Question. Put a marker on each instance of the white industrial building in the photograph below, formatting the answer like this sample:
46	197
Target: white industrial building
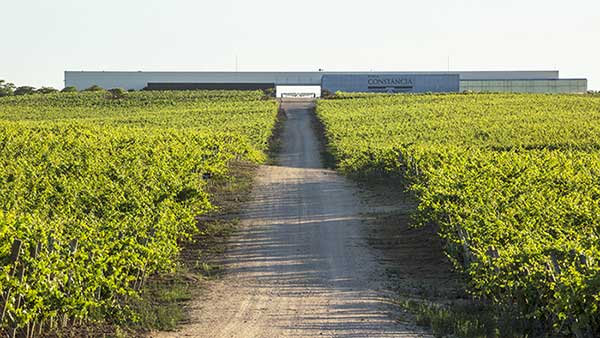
476	81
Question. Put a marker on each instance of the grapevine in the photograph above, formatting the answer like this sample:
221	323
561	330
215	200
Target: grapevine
512	181
96	192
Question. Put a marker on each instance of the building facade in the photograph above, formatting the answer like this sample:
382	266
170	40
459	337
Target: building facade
401	82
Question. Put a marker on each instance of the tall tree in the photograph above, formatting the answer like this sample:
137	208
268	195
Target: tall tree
6	88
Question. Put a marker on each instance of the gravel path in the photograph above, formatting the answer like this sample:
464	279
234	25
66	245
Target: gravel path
300	265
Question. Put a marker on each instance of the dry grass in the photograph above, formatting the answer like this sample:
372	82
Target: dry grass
427	289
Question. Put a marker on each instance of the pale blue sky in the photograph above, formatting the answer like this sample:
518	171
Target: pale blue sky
43	38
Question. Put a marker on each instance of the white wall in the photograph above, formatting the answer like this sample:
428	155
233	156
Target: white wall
311	90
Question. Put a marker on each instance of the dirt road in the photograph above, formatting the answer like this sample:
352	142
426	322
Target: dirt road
300	266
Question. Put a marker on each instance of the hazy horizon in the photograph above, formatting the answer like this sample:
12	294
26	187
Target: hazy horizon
49	38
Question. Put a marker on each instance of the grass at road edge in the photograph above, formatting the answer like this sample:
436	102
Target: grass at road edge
164	308
276	134
327	158
464	320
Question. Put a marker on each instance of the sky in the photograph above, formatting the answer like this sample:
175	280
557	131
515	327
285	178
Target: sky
44	38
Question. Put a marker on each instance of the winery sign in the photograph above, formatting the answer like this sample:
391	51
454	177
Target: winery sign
403	84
